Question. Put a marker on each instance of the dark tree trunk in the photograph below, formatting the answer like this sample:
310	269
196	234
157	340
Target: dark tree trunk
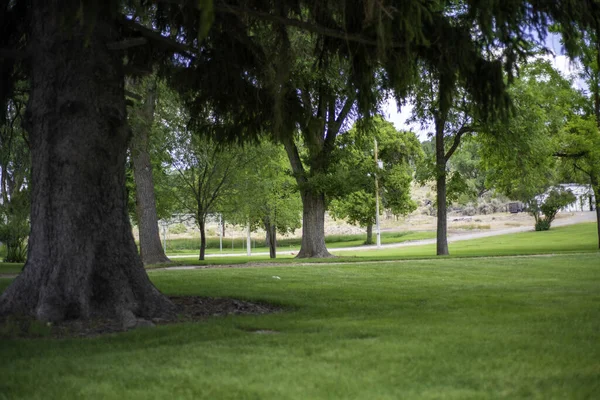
596	189
82	260
313	208
440	171
313	226
369	234
151	248
202	227
271	238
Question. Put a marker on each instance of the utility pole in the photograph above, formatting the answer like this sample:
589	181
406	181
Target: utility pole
378	231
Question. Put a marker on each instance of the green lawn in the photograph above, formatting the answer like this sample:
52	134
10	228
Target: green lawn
506	327
572	238
566	239
191	246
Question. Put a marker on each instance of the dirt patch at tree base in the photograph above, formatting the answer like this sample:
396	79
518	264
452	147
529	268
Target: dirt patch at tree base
190	309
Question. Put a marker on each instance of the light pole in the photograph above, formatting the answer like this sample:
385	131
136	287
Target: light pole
377	229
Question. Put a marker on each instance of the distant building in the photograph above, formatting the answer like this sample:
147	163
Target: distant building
584	197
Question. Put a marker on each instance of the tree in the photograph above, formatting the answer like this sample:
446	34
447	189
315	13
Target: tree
82	260
74	53
269	196
398	152
453	115
544	210
142	120
207	173
581	142
519	158
579	149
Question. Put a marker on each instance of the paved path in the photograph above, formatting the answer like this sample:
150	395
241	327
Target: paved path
576	218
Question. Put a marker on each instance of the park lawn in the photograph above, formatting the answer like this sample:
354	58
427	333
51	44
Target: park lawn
571	238
184	246
505	327
566	239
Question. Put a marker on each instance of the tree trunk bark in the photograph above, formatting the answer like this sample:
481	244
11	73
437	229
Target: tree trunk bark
313	209
369	234
202	227
271	239
82	260
151	248
440	166
313	226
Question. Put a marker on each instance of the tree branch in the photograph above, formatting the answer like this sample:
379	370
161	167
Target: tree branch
570	155
166	42
294	157
322	30
463	130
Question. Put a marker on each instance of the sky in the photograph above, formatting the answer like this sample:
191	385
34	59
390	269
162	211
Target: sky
560	61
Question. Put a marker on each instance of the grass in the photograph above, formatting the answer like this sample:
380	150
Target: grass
572	238
192	246
514	328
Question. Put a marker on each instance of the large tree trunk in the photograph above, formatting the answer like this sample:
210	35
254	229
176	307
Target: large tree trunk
369	234
440	171
151	248
313	226
82	260
313	208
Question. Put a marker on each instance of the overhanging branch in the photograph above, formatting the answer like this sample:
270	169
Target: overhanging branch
307	26
156	37
462	131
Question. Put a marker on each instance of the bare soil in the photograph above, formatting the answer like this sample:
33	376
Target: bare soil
191	309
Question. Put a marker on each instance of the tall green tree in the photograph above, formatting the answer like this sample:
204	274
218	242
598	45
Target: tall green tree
520	158
268	197
398	152
580	147
207	173
440	100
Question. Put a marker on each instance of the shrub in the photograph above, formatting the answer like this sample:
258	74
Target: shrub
177	229
545	212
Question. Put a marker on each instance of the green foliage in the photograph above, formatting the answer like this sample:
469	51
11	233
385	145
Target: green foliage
518	158
14	226
268	195
397	151
545	211
15	167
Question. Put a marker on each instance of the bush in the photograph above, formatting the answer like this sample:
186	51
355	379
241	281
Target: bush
542	225
177	229
545	212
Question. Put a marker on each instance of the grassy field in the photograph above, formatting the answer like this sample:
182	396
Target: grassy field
192	246
507	327
566	239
